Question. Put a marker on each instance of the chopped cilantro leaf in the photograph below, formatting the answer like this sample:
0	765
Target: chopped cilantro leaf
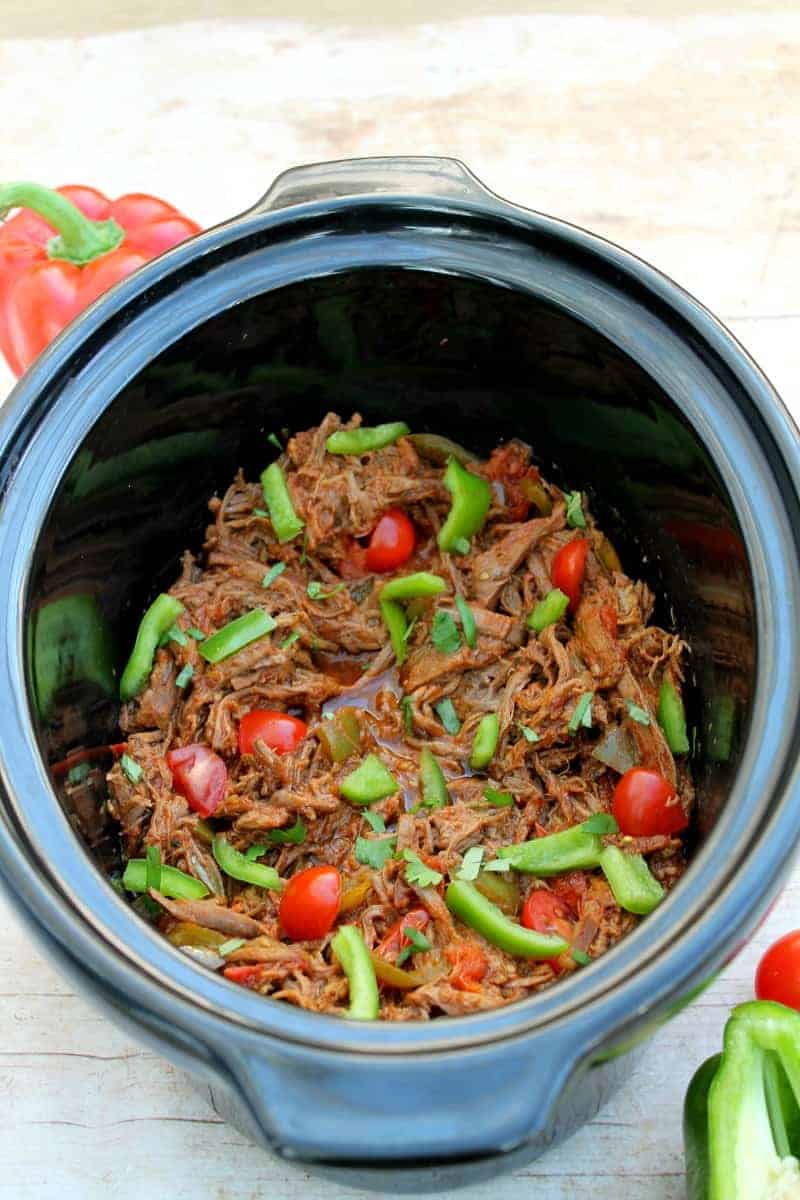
316	590
275	441
289	641
575	517
498	799
640	715
374	820
418	873
183	677
131	768
174	634
448	715
255	852
467	622
583	713
375	852
231	945
294	835
196	633
470	864
600	823
78	774
461	545
419	944
497	864
529	734
272	574
581	958
444	633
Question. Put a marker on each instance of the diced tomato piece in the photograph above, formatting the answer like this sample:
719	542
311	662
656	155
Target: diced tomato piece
545	913
200	776
248	975
394	941
278	730
469	966
568	569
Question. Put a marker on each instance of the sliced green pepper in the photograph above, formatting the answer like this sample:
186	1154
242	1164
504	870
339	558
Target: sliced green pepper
371	781
239	867
485	742
672	717
341	736
236	635
365	439
469	905
394	618
285	520
350	951
409	587
472	497
571	850
439	449
160	617
433	786
173	883
502	890
629	878
741	1117
548	611
467	622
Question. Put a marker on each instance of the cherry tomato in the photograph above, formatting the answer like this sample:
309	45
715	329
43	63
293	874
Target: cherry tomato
778	974
392	542
394	940
568	569
277	730
645	804
545	913
469	966
200	775
310	902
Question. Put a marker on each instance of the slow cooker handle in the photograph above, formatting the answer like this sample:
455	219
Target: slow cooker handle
415	175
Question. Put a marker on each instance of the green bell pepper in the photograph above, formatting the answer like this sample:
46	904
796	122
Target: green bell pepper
237	634
370	782
548	611
285	520
628	875
571	850
365	439
472	497
672	717
238	866
741	1116
485	742
160	616
433	785
472	907
350	951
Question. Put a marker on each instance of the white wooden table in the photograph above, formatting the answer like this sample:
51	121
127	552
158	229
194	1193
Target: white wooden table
674	134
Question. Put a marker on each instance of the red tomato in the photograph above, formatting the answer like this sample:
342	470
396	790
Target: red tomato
568	569
249	975
392	542
394	940
545	913
645	804
200	775
778	974
469	966
278	730
310	902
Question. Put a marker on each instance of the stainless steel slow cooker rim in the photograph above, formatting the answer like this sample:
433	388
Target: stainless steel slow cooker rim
241	228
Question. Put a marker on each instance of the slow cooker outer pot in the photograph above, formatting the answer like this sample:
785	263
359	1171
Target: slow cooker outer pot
456	1096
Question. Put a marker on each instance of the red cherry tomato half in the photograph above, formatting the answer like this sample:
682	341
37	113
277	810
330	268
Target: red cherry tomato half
392	542
545	913
310	902
568	569
778	973
200	775
469	966
277	730
645	804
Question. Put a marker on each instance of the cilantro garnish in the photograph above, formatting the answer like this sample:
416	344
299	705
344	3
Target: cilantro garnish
418	873
444	633
583	713
470	864
375	852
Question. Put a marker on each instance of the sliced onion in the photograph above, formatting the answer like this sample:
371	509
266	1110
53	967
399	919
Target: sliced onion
617	749
204	956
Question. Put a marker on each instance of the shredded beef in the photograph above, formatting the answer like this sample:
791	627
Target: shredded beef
330	649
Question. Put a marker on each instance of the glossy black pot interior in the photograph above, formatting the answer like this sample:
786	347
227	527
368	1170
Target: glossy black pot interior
473	319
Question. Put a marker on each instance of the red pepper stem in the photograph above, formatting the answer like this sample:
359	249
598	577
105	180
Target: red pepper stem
79	239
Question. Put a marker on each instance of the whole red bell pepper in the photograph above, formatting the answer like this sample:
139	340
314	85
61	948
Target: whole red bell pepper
64	249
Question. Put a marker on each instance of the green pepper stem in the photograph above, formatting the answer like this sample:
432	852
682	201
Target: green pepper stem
80	239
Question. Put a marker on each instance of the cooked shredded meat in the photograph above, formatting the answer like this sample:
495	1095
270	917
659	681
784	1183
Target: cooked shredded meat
330	650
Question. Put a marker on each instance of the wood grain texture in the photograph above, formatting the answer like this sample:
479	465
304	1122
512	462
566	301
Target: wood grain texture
675	135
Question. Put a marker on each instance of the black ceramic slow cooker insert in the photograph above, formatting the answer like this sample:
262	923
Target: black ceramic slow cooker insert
401	289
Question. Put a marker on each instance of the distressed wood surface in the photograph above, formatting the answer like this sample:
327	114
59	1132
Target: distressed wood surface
676	135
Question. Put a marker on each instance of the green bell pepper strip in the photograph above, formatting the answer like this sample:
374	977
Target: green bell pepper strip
467	622
485	742
439	449
472	497
571	850
672	717
410	587
160	616
433	785
394	618
470	906
350	951
548	611
239	867
366	439
236	635
173	883
285	520
741	1115
371	781
628	875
